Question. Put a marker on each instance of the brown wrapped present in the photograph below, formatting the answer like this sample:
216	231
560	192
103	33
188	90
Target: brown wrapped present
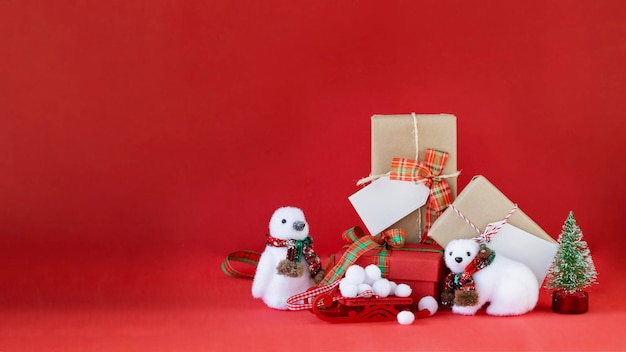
482	204
396	136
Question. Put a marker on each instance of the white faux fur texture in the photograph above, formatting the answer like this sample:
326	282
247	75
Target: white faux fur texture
509	286
274	289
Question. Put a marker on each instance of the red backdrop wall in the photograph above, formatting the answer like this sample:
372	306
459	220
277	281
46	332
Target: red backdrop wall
135	135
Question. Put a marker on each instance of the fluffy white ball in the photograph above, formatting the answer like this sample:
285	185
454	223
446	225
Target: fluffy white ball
343	282
364	287
372	273
403	290
406	317
392	287
428	302
347	289
382	288
355	274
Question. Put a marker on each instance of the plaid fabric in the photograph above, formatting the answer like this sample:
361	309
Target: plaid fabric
360	244
244	256
427	172
302	301
298	249
465	280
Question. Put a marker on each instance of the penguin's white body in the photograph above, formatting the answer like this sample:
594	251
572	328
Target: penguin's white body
286	223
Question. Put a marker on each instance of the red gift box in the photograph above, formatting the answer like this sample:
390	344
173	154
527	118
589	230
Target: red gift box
417	265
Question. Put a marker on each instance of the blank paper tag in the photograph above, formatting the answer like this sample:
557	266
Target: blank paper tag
383	202
521	246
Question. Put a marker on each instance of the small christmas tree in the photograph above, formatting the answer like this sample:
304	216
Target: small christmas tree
572	268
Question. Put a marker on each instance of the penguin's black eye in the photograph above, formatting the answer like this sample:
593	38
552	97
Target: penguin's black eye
469	254
285	221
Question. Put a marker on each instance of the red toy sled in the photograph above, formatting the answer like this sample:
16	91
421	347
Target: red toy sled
337	309
329	305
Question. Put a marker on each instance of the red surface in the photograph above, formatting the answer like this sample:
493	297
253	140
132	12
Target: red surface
141	141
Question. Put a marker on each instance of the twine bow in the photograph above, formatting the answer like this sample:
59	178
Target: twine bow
360	243
428	172
490	230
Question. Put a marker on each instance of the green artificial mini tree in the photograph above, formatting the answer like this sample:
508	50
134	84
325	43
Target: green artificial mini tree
572	269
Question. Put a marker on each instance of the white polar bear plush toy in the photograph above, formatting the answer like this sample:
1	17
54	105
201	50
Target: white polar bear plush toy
288	265
479	275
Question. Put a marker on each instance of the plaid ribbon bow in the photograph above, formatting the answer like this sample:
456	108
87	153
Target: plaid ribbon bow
360	243
428	172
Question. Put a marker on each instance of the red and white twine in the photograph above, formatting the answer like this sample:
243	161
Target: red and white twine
492	229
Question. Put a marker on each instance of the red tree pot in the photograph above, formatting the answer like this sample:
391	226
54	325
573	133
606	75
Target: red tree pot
565	302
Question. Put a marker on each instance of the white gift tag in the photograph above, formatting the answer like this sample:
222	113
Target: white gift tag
521	246
383	202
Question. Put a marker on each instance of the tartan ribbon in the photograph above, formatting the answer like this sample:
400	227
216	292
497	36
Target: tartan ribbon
298	250
429	172
465	280
360	244
243	256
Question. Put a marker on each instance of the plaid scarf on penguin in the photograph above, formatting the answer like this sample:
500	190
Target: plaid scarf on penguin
296	251
460	288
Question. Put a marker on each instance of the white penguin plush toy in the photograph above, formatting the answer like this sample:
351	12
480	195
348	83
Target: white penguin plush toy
288	265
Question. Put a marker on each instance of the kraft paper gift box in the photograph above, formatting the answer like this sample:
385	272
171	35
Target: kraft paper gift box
394	136
482	204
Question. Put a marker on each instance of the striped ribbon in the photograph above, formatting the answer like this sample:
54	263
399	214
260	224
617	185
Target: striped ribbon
305	297
492	229
243	256
428	172
302	301
360	244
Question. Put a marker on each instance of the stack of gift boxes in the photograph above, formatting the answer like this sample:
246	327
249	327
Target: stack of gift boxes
412	184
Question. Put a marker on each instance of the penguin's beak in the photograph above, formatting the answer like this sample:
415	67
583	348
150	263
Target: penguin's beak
299	225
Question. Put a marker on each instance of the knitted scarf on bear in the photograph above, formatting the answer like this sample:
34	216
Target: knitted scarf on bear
465	280
298	249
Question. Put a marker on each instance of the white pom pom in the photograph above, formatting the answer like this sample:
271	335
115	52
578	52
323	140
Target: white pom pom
343	282
349	290
364	287
355	274
382	288
403	290
392	288
372	273
428	302
406	317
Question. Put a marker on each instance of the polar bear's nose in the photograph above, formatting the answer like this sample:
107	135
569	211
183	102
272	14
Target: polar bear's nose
299	225
458	259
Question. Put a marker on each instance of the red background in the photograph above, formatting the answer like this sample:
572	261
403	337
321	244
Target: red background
141	141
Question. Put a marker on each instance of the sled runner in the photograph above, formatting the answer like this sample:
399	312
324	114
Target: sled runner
334	308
